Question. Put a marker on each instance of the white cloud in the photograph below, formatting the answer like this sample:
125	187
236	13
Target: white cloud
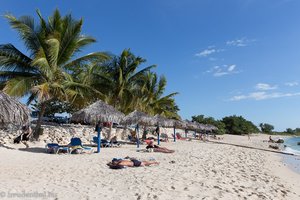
291	84
263	95
265	86
206	52
242	42
231	67
218	71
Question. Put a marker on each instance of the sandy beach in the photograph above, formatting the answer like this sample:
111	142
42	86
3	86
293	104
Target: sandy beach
197	170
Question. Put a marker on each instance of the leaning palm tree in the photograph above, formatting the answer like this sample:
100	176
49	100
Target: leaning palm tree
45	72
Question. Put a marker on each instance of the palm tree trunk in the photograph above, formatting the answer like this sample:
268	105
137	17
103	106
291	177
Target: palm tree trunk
37	130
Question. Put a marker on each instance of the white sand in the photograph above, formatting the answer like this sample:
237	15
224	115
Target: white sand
201	171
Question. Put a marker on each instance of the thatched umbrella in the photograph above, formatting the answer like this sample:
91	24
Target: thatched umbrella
138	118
195	126
162	121
192	125
178	124
12	112
210	127
97	112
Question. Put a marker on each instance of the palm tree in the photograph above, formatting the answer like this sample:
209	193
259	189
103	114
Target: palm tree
46	72
152	100
123	79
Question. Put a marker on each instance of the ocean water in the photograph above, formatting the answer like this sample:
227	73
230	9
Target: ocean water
292	146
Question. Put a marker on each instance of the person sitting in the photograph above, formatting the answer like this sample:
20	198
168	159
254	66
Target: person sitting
114	142
157	148
130	162
25	135
164	137
271	140
201	137
145	133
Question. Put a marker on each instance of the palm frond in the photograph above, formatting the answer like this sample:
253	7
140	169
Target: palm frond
11	59
26	29
19	86
96	56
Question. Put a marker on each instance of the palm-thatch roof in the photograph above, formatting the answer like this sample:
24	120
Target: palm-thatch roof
196	125
162	121
98	111
180	124
12	112
210	127
138	117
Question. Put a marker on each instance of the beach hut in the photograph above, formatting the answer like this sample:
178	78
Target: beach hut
98	111
138	118
13	114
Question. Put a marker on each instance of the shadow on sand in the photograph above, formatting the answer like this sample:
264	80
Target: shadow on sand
34	150
7	147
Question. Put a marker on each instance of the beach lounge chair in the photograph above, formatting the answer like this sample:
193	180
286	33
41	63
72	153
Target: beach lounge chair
103	142
164	137
55	148
76	146
179	137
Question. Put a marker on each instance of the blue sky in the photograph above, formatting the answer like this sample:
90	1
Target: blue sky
224	57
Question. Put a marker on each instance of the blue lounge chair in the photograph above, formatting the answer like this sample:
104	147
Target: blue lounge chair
55	148
76	145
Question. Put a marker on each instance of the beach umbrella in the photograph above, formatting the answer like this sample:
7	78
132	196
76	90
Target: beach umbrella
194	126
97	112
178	124
162	121
210	127
138	118
12	112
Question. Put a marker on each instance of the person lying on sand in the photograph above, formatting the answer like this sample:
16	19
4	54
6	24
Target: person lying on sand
130	162
157	148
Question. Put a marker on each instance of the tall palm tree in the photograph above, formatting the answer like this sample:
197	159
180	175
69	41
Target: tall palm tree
45	73
123	78
152	100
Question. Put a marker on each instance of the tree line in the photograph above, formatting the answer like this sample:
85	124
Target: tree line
238	125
